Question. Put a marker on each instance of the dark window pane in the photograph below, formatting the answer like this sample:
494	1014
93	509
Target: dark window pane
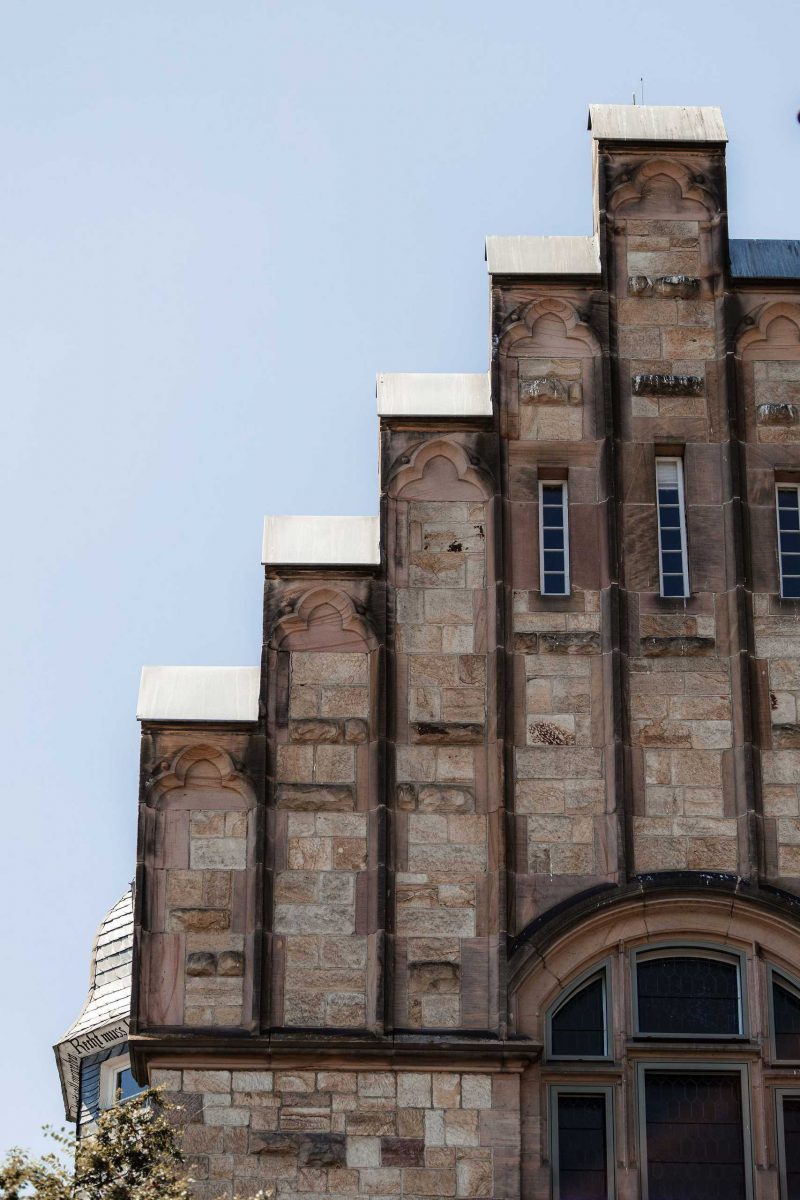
674	585
786	1014
789	518
672	563
790	564
695	1148
787	498
578	1026
552	493
791	587
670	518
554	584
688	996
582	1148
671	539
553	517
553	560
667	495
553	539
126	1085
791	1133
790	543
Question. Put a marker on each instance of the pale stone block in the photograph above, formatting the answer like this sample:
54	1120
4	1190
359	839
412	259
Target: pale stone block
538	796
253	1081
446	1089
435	922
207	824
296	764
330	669
441	1012
424	704
461	1124
414	1089
376	1083
349	825
449	606
571	860
476	1091
303	700
416	763
458	639
345	702
166	1079
434	1128
426	829
310	854
214	1115
455	762
313	918
218	854
334	764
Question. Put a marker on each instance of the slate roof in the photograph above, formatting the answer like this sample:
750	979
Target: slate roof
103	1020
764	258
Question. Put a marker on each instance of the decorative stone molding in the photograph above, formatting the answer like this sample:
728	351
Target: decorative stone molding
526	319
466	478
199	766
759	329
631	188
315	612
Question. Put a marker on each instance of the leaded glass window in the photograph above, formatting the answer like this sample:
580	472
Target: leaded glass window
578	1023
694	1135
688	994
581	1149
785	1018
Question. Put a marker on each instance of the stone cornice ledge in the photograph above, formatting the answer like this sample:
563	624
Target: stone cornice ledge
293	1049
321	542
431	395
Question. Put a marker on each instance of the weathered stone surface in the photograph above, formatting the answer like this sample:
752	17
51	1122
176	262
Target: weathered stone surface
200	962
577	642
439	733
433	977
685	287
667	385
230	962
316	730
311	797
778	414
684	647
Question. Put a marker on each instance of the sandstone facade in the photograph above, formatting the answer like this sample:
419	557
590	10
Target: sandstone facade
359	905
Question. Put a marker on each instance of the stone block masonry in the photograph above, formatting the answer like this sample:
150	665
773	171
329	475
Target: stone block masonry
348	1133
361	898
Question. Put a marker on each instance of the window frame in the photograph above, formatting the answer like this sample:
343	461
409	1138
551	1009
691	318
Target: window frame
684	551
555	1090
694	1067
792	984
784	487
583	980
690	950
108	1077
563	484
780	1133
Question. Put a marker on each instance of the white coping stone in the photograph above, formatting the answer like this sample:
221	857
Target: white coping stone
321	541
199	694
410	395
656	123
543	255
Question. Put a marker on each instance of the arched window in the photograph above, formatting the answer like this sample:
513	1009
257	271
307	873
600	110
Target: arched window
688	991
577	1024
785	1010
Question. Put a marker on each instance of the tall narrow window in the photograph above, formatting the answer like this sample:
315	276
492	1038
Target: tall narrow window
553	538
580	1122
695	1144
788	507
672	563
788	1113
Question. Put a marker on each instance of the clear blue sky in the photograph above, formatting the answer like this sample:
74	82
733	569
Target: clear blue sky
218	221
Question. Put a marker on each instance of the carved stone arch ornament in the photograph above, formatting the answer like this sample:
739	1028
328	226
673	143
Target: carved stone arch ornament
322	607
450	465
774	326
199	766
549	310
635	186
